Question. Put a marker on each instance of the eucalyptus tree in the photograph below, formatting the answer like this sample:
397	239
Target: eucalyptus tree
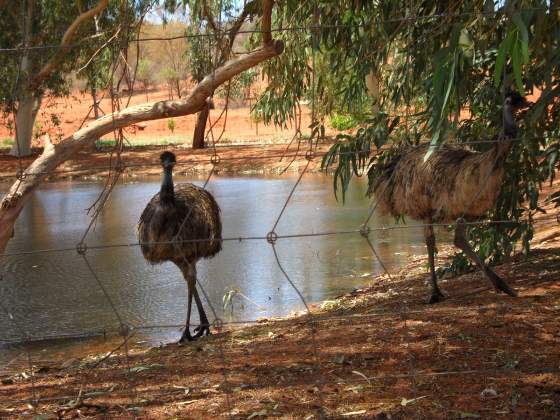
55	154
213	27
40	39
438	71
96	71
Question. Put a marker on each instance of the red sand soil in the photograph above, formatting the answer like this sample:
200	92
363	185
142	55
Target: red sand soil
243	147
476	355
72	111
141	161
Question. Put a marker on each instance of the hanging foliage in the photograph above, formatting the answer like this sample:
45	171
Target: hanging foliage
443	68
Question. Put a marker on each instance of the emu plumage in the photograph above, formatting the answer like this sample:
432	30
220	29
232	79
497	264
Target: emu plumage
181	224
160	223
453	184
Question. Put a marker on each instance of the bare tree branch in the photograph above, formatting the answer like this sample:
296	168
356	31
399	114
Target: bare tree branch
66	39
208	15
99	50
267	21
53	156
236	27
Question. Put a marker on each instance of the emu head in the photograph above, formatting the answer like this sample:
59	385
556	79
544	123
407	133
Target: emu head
515	101
167	160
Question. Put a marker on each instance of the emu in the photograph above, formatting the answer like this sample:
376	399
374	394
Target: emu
453	184
181	224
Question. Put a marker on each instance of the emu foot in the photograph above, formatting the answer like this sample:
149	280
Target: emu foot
186	337
202	330
436	297
500	285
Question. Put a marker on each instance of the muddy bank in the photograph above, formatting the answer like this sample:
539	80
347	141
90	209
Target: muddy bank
144	160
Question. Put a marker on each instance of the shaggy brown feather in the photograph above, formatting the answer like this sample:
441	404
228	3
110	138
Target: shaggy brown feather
452	185
161	223
442	188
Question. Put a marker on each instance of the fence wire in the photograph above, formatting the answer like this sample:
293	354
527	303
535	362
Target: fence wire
294	28
413	371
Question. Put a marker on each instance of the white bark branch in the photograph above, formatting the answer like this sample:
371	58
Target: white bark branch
53	156
267	21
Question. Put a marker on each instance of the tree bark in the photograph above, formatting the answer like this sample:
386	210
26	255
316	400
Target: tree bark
54	155
25	119
95	103
24	114
178	88
200	128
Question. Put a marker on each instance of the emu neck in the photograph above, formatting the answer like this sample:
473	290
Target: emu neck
509	132
167	193
510	127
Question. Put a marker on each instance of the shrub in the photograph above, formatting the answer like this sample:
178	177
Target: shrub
7	141
171	124
343	122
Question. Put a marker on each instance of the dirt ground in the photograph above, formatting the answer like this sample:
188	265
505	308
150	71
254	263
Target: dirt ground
244	146
377	353
142	161
72	112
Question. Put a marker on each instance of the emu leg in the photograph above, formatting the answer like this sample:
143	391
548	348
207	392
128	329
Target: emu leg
204	327
187	333
189	273
461	241
437	296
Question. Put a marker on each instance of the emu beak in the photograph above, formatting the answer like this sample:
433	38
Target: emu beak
525	104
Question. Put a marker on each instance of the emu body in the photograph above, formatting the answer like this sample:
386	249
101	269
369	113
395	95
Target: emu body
181	224
453	184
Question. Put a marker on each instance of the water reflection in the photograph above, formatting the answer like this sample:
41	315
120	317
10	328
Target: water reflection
52	293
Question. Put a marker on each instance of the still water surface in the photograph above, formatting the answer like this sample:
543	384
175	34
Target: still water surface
54	293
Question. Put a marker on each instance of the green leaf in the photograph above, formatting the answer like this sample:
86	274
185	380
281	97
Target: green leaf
501	58
450	85
525	51
516	63
524	40
521	27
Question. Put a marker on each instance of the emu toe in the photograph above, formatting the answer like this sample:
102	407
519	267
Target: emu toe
505	288
201	330
436	297
186	337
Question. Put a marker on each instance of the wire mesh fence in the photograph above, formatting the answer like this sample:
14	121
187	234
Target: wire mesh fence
316	355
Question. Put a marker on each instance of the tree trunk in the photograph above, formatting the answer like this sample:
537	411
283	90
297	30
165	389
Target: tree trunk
200	128
29	100
178	88
26	108
372	85
25	120
95	103
20	191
